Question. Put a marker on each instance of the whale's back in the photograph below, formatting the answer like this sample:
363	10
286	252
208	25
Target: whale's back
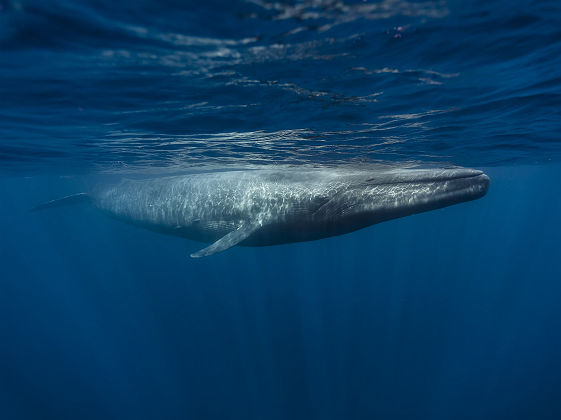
207	206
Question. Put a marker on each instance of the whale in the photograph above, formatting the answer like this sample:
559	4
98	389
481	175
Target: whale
263	207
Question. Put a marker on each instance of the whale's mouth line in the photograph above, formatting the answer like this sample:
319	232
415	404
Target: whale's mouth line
479	174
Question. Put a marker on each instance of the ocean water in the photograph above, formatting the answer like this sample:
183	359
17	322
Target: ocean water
450	314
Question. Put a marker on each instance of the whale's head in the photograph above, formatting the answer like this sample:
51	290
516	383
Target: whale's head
389	194
408	191
433	187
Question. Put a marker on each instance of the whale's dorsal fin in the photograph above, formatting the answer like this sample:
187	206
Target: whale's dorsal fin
231	239
64	201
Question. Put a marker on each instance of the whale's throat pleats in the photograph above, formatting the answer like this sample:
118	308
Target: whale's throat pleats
231	239
336	206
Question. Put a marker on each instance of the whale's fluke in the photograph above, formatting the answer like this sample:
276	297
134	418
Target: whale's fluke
64	201
228	241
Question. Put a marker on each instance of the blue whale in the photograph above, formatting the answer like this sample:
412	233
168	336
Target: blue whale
270	207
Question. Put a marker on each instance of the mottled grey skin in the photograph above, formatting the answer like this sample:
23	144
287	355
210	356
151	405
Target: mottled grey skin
269	207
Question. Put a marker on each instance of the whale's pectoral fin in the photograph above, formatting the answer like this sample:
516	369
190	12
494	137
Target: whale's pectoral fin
231	239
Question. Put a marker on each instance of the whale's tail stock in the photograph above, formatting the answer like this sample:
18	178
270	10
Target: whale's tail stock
64	201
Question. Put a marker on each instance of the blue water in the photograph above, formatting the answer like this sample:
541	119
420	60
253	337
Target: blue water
451	314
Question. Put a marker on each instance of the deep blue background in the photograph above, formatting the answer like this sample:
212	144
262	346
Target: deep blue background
447	314
450	314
